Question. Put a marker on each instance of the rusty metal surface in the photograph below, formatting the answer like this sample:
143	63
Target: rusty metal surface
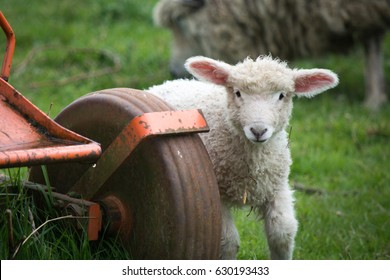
166	187
117	215
10	47
29	137
138	129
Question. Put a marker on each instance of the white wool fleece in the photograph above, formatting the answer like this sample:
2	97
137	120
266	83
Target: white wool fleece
238	163
248	107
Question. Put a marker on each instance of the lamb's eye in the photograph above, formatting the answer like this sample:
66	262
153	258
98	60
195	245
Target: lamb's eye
237	93
282	95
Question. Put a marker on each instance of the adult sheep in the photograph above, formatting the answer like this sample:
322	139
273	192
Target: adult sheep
231	30
248	107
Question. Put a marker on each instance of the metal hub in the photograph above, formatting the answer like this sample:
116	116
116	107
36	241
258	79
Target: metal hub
117	216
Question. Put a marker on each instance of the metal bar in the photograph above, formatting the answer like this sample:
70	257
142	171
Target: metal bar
141	127
47	155
9	52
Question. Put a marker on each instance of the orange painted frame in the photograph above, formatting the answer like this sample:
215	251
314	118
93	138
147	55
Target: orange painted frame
27	135
9	51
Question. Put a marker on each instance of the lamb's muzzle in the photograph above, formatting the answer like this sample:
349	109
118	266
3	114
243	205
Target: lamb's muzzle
258	133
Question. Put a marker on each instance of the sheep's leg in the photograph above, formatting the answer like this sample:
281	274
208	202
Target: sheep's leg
230	240
281	225
374	76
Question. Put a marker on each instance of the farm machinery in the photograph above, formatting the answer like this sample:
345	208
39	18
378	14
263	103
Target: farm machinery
122	158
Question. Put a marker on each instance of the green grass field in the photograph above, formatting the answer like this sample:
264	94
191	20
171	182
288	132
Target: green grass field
340	150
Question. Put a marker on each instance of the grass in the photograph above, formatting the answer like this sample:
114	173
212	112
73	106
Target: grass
339	148
55	239
122	28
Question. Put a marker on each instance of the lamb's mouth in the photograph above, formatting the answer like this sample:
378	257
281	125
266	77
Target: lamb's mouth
259	141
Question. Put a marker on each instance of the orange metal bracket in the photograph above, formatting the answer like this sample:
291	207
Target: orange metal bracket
139	128
9	52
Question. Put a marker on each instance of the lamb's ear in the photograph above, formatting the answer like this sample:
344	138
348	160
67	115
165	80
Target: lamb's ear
208	69
314	81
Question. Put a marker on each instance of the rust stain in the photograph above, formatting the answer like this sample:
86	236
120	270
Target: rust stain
138	129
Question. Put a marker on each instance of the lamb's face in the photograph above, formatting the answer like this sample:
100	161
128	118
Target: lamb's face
260	91
260	97
259	114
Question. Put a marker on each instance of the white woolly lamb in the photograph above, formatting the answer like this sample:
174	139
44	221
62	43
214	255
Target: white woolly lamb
248	107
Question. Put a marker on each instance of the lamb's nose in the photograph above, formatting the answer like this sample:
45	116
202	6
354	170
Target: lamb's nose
258	133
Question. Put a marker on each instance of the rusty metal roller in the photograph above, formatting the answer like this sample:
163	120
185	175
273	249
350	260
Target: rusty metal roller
163	201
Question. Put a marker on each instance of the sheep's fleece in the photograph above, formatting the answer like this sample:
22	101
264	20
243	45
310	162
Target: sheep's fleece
231	30
247	107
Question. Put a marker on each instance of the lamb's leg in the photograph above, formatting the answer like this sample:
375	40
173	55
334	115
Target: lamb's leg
281	225
374	76
230	240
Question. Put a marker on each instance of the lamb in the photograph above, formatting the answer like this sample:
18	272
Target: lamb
248	107
290	29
